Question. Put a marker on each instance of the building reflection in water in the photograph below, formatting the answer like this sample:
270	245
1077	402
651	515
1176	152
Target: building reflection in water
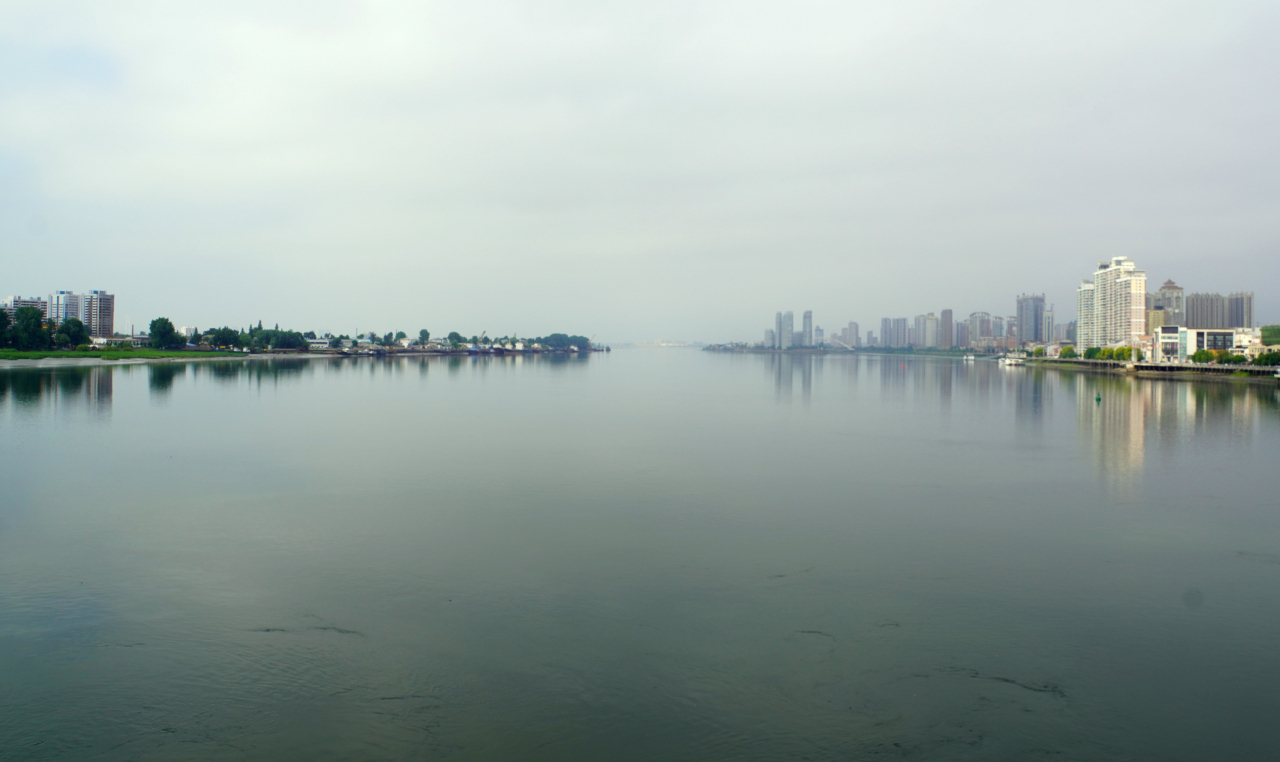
62	389
1117	417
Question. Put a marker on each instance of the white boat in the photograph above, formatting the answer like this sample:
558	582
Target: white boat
968	358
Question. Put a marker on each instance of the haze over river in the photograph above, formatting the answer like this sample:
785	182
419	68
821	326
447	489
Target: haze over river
650	554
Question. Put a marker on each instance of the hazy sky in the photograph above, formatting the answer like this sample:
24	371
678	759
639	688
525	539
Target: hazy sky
631	170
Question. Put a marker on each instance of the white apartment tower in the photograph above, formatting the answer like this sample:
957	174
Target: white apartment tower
1112	309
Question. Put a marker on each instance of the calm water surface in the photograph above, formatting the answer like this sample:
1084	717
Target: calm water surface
651	554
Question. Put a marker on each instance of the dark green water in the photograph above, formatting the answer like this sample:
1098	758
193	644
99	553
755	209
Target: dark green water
651	554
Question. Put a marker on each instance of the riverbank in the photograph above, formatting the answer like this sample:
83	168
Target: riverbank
10	358
1247	374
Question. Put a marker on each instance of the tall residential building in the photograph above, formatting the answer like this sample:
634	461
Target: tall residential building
777	331
1240	310
1119	301
871	339
853	340
770	339
1030	318
946	333
900	333
63	305
786	336
1047	326
886	332
1084	313
1207	311
99	313
806	330
962	334
1171	299
980	326
819	336
15	303
997	327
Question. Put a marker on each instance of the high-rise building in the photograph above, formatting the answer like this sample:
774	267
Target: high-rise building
886	332
1171	299
806	331
871	339
786	336
946	334
65	304
1119	300
900	333
777	331
930	337
1240	310
998	328
1047	325
770	340
99	313
819	337
1207	311
15	303
980	326
962	334
1030	318
853	339
1084	312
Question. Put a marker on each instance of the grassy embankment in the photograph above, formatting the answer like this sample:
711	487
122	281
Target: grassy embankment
112	354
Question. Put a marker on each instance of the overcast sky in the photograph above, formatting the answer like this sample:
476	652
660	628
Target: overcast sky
631	170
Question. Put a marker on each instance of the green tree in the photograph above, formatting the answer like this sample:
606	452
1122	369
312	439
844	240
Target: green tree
5	337
75	331
163	335
1202	355
224	337
455	337
1092	353
28	330
424	336
1039	352
1121	353
388	339
1068	353
1267	358
1107	353
401	335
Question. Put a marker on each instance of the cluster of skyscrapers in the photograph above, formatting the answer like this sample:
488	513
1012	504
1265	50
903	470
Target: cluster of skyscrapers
1114	307
96	309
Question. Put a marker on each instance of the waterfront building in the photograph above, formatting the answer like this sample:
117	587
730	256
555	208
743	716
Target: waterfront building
1113	311
777	331
1240	309
806	330
99	313
786	334
886	332
1030	318
1171	299
980	326
818	336
1084	313
770	339
871	339
15	303
998	327
63	305
962	334
946	333
1046	327
1207	311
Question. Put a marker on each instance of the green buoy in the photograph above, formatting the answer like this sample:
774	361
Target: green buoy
1099	399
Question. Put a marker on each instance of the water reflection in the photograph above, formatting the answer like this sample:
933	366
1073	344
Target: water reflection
1117	418
31	389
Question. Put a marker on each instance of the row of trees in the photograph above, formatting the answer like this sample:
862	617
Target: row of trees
1123	354
29	331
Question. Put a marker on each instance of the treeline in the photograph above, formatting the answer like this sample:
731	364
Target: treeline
29	331
1220	356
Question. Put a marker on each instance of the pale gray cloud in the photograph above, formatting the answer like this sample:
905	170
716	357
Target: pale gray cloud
630	170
